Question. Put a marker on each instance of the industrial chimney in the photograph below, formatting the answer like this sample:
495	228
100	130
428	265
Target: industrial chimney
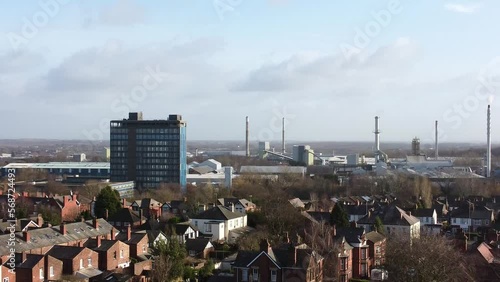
283	137
247	141
436	151
488	142
377	139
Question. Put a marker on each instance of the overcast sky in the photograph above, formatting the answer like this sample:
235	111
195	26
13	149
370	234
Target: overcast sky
328	67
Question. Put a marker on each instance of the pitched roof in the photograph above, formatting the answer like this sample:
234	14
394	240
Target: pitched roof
374	236
65	252
218	213
50	236
244	258
126	215
423	212
485	252
390	215
352	235
320	216
197	245
31	261
105	245
135	238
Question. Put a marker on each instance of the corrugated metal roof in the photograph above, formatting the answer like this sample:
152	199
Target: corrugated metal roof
272	169
62	165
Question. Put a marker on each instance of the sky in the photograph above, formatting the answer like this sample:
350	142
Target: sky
328	67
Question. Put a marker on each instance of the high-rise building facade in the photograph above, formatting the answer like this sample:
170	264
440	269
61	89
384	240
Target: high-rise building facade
148	152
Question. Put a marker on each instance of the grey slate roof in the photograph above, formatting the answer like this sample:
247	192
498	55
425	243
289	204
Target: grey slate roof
423	212
197	245
65	252
31	261
126	215
218	213
50	236
390	215
374	236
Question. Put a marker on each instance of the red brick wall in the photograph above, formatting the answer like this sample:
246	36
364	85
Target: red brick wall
56	264
107	260
84	255
31	274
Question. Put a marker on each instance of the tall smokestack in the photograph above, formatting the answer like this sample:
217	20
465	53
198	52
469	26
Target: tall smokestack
377	138
436	149
247	141
283	137
488	142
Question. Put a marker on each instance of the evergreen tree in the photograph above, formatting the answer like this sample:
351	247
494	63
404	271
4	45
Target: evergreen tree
171	255
338	216
107	199
379	226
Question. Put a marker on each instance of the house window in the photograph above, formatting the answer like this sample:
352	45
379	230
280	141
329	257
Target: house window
343	278
274	275
81	263
89	261
244	274
255	274
51	271
121	253
114	255
6	279
41	272
144	248
192	253
363	269
363	253
208	227
343	264
378	250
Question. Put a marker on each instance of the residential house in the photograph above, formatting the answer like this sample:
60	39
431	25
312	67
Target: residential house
112	254
182	231
179	208
19	226
426	216
377	244
154	237
219	221
240	205
199	247
355	212
39	268
138	242
79	261
394	219
151	208
469	217
287	262
127	217
359	254
67	206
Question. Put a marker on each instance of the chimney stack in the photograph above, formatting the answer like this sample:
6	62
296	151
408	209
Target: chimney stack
436	148
95	223
98	241
265	246
283	137
488	141
106	214
334	231
247	141
129	233
377	139
73	197
62	228
26	236
124	203
232	207
112	234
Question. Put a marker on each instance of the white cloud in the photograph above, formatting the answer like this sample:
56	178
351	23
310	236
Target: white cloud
122	12
462	8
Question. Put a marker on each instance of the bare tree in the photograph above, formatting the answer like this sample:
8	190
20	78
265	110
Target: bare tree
318	236
161	268
429	258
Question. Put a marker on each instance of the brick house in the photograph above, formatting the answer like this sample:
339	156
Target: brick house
359	257
199	247
287	262
75	259
240	205
112	254
150	208
39	268
138	243
67	206
376	243
48	242
127	217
